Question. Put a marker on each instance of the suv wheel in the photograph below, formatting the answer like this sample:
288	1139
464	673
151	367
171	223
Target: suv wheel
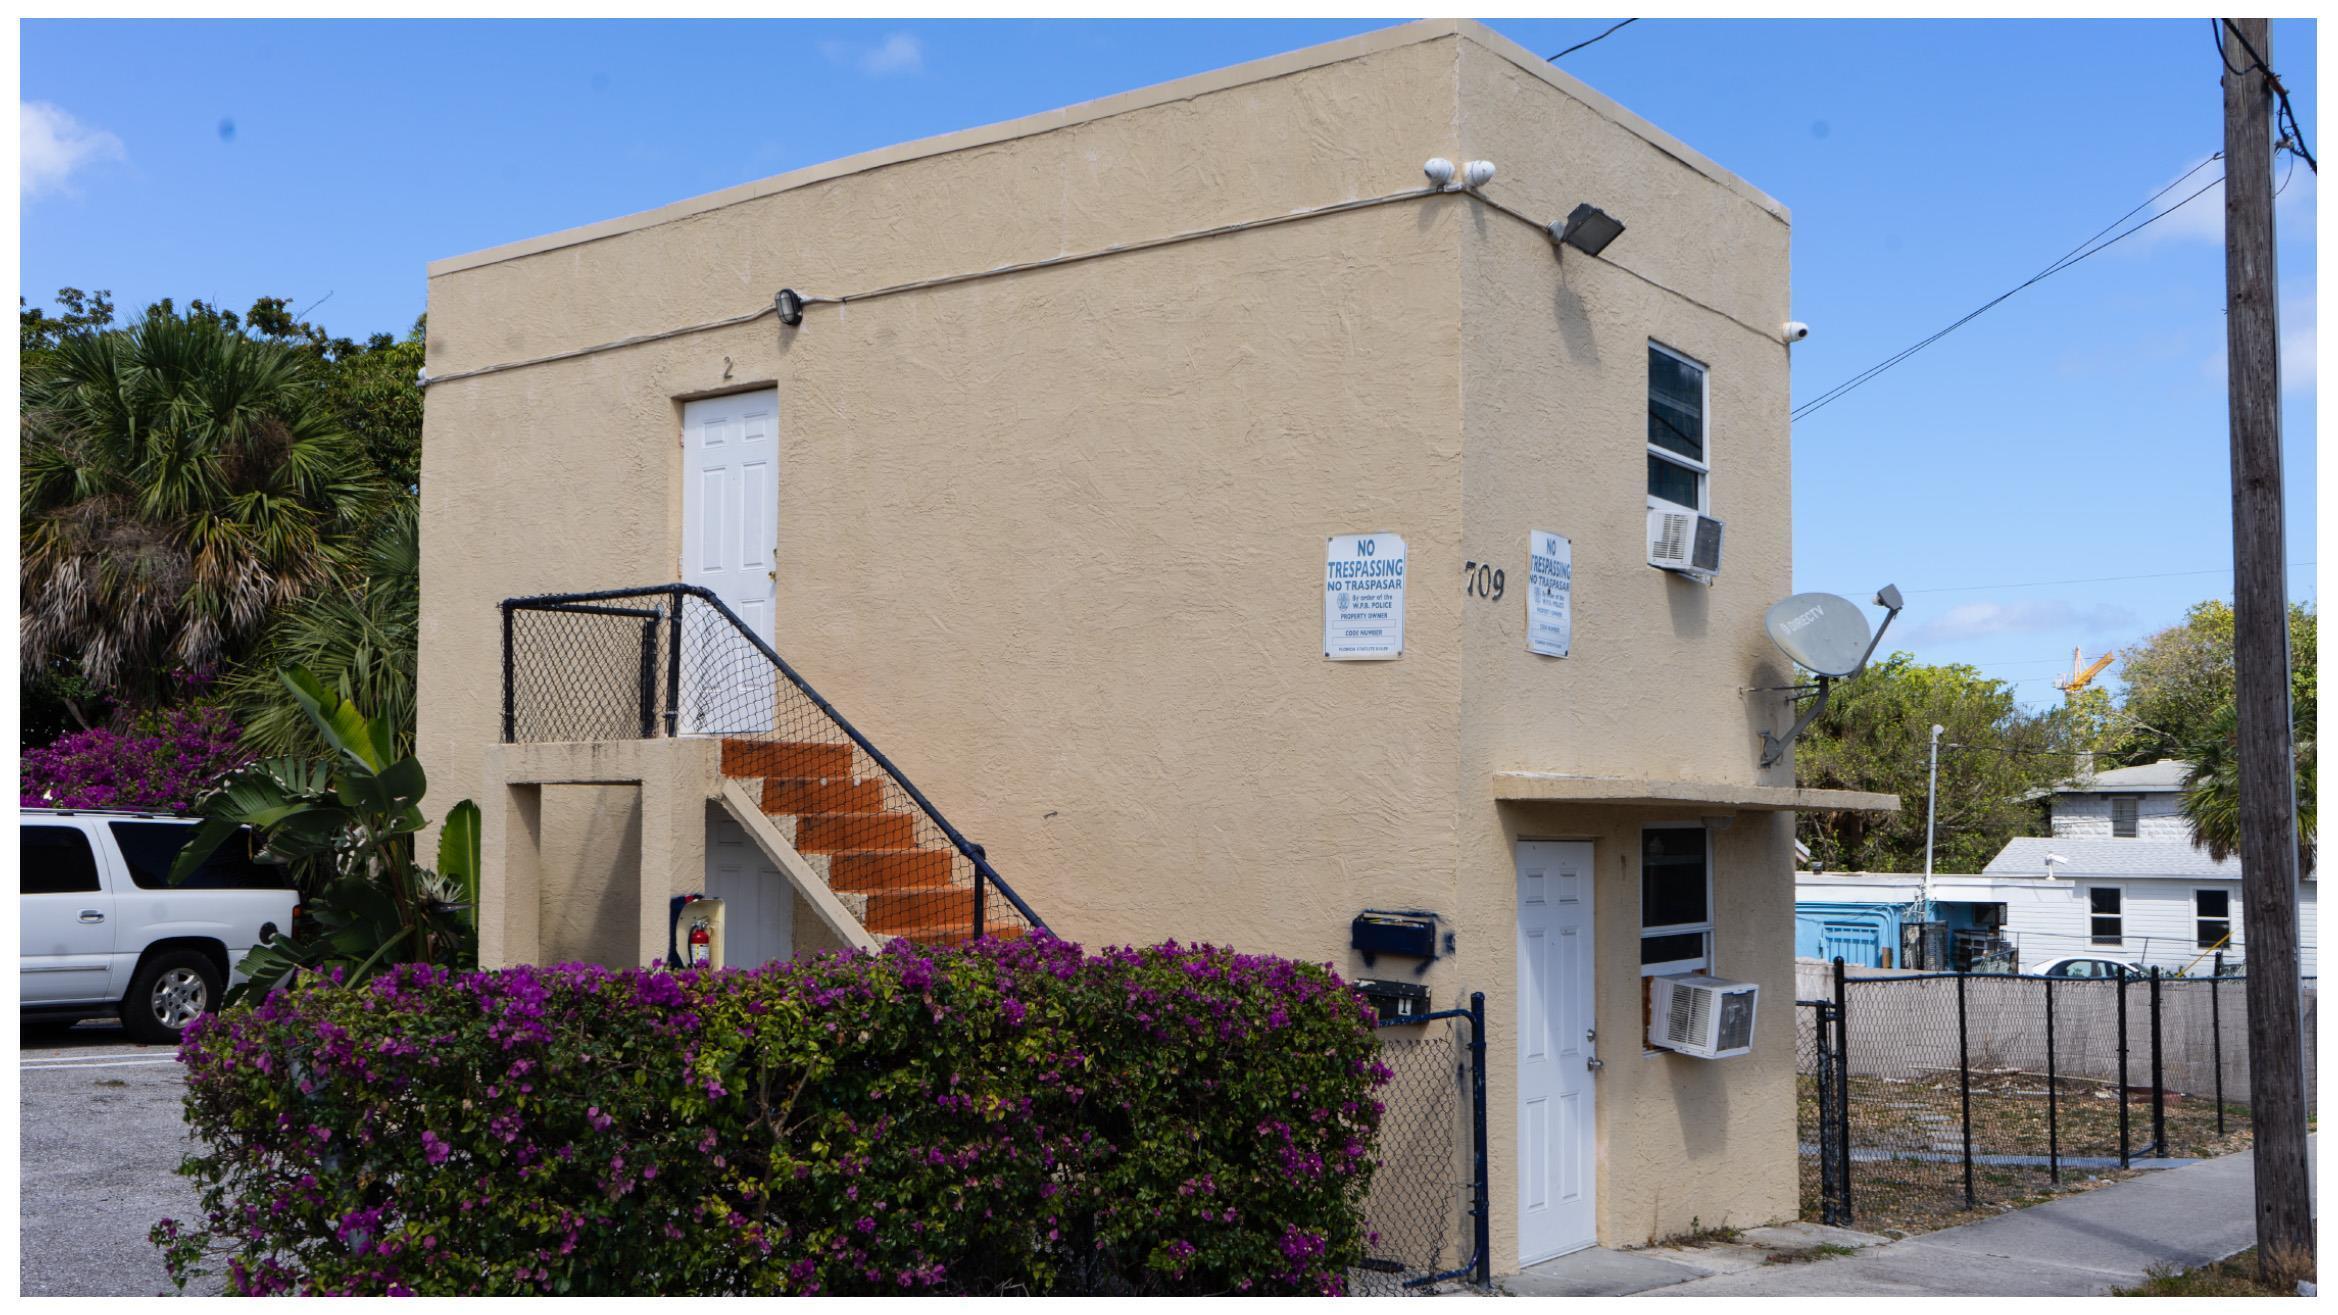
169	992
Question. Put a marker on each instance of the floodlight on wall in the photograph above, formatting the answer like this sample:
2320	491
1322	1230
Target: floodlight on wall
2051	860
1440	171
1478	172
790	305
1587	228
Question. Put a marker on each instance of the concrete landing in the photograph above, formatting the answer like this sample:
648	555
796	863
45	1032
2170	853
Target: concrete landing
1600	1272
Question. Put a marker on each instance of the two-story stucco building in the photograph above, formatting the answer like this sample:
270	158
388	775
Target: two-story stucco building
1041	472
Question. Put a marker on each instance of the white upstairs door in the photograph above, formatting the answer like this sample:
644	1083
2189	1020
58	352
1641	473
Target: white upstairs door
730	545
1556	1139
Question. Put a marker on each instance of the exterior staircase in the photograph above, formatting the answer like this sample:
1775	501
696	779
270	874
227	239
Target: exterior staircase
887	863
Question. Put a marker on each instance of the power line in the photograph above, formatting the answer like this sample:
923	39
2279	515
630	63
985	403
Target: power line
1601	37
2082	251
2093	579
2296	136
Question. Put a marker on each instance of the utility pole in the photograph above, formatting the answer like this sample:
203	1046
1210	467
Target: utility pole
2268	779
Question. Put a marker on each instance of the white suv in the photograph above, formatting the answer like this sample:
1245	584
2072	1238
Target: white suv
105	933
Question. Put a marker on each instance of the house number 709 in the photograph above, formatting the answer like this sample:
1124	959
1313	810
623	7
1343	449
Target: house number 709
1481	580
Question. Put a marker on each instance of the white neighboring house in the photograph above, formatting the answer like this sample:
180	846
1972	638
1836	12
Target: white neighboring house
2124	882
2140	887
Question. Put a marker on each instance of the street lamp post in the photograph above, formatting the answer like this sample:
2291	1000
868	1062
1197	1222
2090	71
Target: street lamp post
1931	809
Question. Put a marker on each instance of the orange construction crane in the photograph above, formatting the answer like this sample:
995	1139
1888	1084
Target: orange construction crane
2082	672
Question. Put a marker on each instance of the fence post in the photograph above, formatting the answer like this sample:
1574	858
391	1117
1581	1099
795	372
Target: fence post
649	678
510	720
2159	1091
2053	1097
674	665
1482	1194
2120	984
977	855
2216	1038
1843	1084
1829	1161
1964	1084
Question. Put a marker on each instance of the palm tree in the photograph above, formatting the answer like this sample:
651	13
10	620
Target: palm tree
358	641
2212	790
179	482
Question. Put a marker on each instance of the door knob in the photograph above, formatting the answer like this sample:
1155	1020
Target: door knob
1595	1063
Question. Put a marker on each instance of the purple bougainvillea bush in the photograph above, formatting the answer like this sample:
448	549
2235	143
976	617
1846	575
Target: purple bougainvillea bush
159	765
1006	1117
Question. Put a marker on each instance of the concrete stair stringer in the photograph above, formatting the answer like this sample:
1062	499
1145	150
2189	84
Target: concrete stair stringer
778	844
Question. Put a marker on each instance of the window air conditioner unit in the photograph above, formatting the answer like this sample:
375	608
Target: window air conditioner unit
1684	542
1706	1017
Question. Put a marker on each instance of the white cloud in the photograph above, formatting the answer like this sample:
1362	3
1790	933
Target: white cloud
56	145
2203	219
1983	620
899	52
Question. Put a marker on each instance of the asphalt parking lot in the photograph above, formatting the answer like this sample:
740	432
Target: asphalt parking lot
102	1136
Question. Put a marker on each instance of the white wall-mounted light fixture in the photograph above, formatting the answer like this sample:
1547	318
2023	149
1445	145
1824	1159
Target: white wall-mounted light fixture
2051	861
1477	173
1440	171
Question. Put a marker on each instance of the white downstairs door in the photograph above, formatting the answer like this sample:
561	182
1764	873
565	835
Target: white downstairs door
730	545
1556	1137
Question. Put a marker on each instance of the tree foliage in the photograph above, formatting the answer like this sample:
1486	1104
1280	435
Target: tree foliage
179	483
212	495
2180	679
1995	757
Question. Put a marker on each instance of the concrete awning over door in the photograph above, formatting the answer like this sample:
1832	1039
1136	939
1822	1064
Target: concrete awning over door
1561	787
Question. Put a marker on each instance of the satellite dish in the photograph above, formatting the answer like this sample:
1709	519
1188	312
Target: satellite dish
1825	633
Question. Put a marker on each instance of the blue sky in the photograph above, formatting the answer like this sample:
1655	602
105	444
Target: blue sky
2075	432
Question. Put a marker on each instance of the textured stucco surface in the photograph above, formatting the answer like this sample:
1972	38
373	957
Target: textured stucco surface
1055	539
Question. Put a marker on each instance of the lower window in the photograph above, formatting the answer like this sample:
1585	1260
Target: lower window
2104	920
1676	901
2212	917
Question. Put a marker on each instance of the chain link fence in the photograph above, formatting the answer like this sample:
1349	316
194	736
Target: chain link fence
674	660
1925	1097
1426	1218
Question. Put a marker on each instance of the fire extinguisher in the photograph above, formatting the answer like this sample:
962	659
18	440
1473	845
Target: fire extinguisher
701	945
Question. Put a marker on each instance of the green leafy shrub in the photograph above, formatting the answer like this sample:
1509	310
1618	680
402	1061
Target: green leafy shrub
1005	1117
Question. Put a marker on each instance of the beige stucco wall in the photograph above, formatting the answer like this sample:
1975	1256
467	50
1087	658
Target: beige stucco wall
1554	424
1054	539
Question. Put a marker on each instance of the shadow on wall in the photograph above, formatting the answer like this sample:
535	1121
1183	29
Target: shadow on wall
1574	323
591	896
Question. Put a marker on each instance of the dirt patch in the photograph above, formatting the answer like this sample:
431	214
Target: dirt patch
2028	1144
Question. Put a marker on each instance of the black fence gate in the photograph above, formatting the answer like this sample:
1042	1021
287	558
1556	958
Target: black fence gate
1427	1219
1923	1095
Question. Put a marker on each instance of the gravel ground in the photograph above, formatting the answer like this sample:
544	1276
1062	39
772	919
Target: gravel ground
102	1136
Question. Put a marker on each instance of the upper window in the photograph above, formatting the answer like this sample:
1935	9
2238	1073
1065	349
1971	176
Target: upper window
2105	926
1676	901
2125	809
54	860
1677	458
2212	918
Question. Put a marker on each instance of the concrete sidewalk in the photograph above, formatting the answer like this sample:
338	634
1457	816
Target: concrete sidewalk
2082	1245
